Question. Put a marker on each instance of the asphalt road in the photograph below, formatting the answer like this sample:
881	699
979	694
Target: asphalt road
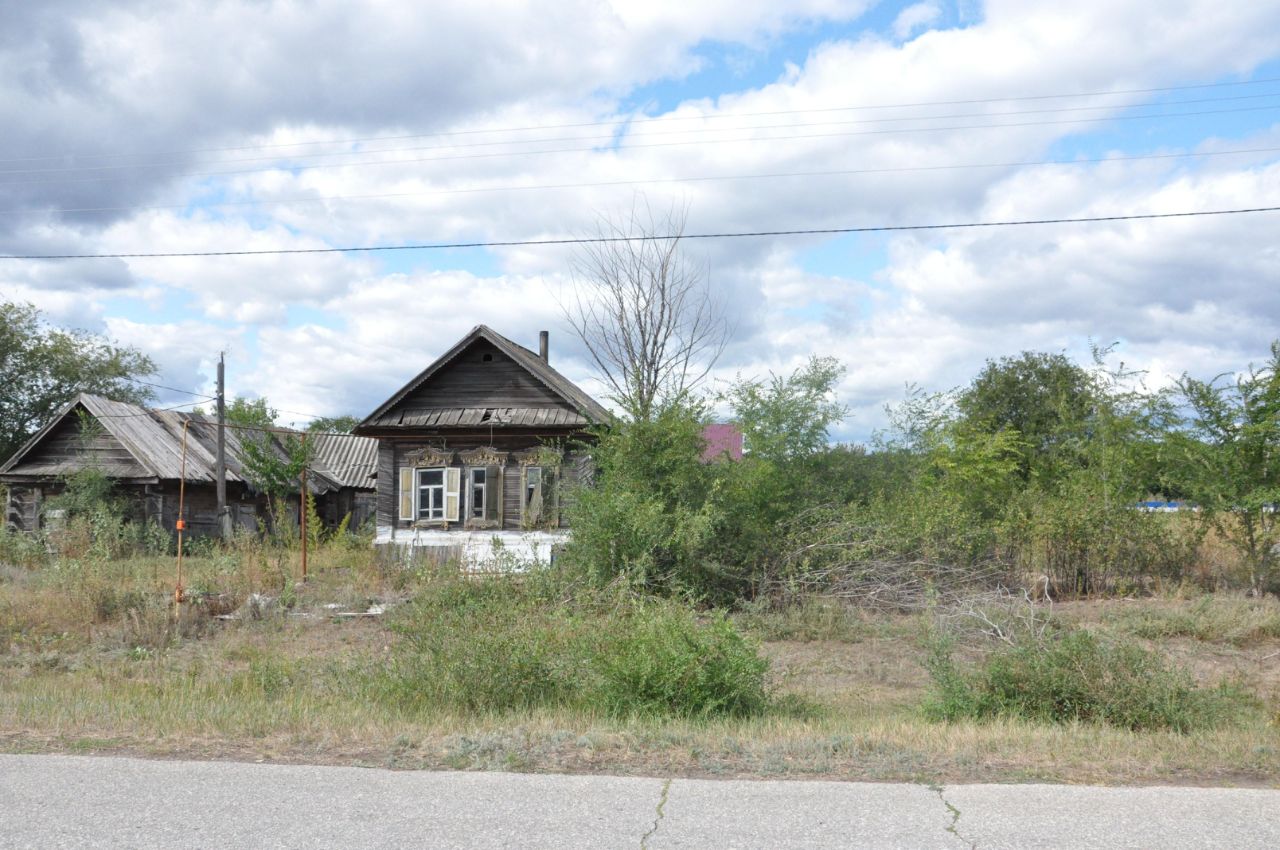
83	802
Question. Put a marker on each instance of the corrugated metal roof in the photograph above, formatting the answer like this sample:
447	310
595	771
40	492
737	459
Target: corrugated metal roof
350	460
154	438
588	410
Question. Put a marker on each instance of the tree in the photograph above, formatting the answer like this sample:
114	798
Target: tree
46	367
1045	398
644	312
788	417
1232	466
333	425
645	514
272	461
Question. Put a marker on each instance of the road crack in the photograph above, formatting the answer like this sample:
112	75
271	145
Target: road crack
662	804
955	817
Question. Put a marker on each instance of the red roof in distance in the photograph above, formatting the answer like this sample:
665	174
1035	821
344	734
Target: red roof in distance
722	439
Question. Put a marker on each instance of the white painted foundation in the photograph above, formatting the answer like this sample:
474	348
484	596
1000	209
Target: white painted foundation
515	551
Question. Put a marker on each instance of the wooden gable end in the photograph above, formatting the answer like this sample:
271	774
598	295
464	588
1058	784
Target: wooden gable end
70	447
482	376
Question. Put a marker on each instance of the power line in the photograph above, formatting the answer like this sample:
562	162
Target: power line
627	147
672	118
654	180
145	412
587	240
656	134
148	411
171	389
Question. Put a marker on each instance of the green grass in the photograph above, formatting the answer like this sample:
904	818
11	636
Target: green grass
1233	620
568	680
1077	677
499	646
805	619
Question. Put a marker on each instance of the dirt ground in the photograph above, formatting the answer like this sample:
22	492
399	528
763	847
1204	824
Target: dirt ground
255	691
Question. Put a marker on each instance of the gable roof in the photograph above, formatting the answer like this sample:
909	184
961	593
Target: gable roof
153	438
588	410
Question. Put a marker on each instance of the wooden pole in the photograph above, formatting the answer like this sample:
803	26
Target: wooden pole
302	507
224	518
182	522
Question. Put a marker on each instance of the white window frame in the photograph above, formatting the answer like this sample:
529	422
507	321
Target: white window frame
474	512
525	497
437	511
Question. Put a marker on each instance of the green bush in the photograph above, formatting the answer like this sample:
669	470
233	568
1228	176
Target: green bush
495	645
1077	678
657	657
19	549
482	645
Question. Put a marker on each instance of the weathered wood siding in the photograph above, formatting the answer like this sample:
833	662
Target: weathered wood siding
22	507
200	506
471	381
336	505
385	506
146	503
71	447
392	453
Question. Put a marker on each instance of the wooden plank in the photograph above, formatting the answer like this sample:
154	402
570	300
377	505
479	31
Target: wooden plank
385	507
471	381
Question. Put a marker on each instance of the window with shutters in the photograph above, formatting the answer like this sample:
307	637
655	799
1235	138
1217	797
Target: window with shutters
482	478
431	493
477	487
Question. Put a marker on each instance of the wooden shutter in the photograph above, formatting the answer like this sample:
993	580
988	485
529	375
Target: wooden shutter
551	496
530	502
452	492
492	493
406	492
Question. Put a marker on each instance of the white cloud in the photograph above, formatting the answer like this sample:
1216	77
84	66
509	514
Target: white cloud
338	333
915	17
187	354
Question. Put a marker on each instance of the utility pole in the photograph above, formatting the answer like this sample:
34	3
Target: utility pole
224	518
302	508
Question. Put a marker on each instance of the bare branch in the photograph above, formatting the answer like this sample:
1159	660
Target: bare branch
644	312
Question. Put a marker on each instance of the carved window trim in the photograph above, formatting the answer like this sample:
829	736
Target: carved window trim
428	457
483	456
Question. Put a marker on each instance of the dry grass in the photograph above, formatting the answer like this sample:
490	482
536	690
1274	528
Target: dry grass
77	674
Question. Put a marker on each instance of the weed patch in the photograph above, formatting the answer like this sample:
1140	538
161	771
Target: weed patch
1078	678
1236	621
501	646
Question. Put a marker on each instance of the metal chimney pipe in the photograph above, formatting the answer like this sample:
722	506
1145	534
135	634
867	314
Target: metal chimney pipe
544	346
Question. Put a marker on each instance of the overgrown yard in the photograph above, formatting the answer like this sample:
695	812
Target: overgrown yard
534	674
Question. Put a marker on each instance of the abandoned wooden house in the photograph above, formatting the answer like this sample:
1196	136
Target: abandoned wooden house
477	452
141	451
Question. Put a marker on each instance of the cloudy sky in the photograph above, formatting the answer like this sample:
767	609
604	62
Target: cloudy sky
164	126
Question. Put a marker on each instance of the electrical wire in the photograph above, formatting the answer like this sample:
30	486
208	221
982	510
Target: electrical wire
669	118
201	396
656	134
628	147
145	411
652	181
589	240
